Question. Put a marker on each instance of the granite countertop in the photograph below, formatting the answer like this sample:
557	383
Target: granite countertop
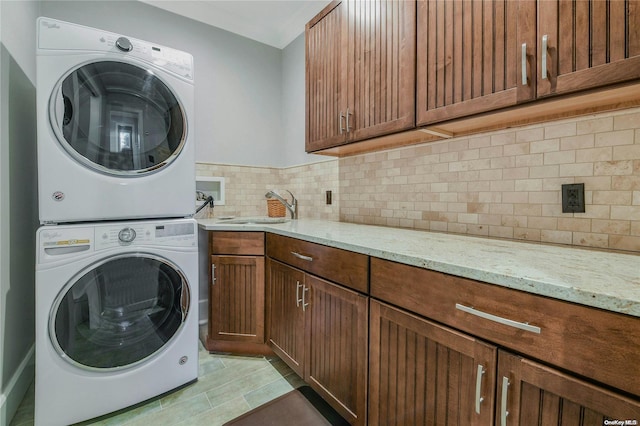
601	279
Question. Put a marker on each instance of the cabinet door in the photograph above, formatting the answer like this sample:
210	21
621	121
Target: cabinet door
326	79
532	394
424	373
237	299
336	361
382	39
286	317
589	44
470	56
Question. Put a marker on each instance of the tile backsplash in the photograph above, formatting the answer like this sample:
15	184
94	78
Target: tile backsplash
508	183
503	184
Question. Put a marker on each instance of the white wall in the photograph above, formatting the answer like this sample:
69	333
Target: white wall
18	201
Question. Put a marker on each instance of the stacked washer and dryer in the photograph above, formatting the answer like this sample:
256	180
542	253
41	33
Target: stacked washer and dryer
116	261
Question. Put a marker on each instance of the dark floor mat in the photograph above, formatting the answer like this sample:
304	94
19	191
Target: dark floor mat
301	406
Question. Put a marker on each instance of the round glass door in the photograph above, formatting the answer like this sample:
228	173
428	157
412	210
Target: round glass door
117	118
119	312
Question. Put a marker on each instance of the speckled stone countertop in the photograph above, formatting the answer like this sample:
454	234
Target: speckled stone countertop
600	279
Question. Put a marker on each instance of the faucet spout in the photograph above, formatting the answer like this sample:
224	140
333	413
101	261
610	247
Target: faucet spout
293	207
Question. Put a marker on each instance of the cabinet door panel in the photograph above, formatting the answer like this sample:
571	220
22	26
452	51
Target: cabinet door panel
469	56
537	394
326	73
237	299
590	44
336	364
423	373
382	48
286	318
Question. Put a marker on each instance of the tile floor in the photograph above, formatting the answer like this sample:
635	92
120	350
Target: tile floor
227	387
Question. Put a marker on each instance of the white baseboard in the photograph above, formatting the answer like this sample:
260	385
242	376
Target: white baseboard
17	387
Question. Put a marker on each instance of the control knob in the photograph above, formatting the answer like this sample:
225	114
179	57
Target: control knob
124	44
127	235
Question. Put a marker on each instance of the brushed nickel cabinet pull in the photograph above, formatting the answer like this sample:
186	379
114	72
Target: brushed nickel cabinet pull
511	323
340	121
524	64
302	256
304	303
545	44
348	126
298	299
479	398
213	273
503	401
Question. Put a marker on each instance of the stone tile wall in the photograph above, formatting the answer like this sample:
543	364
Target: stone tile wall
508	183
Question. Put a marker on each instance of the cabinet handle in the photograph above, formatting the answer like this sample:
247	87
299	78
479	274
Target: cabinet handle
340	121
524	64
213	273
304	304
348	126
298	299
479	398
521	325
302	256
545	44
503	401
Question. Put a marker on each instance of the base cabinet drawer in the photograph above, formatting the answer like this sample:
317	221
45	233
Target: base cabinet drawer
597	344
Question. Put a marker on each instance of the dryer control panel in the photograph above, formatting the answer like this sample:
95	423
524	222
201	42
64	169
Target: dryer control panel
59	36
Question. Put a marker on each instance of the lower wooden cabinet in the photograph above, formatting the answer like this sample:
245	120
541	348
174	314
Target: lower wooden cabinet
236	293
427	374
320	330
424	373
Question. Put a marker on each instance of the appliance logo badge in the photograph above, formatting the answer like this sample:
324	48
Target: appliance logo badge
58	196
50	25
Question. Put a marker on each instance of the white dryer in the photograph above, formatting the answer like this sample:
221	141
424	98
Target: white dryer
115	126
116	316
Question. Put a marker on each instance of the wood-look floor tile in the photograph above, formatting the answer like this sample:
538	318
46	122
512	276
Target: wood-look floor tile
243	385
268	392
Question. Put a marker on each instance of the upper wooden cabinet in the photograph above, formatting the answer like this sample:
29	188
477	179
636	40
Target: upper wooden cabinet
470	57
587	44
360	71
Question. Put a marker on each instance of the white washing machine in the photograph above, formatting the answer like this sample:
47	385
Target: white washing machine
115	126
116	316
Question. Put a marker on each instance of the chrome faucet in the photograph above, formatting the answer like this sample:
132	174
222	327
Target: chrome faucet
293	207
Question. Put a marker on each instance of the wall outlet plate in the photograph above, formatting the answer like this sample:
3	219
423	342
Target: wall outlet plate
573	198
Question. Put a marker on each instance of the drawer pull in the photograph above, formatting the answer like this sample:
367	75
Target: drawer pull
524	64
479	398
302	256
521	325
545	48
304	301
298	298
503	401
213	273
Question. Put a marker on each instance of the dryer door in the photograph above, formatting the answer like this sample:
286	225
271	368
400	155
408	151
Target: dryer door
117	118
119	312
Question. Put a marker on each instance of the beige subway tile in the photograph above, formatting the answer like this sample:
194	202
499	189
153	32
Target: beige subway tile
501	231
603	226
626	152
468	218
489	197
478	230
625	212
552	210
543	223
457	228
490	219
624	242
595	124
578	170
501	209
555	184
458	144
556	237
596	182
528	185
545	197
438	226
529	160
470	154
589	239
479	141
527	209
517	149
475	207
515	173
626	121
526	234
544	171
515	197
596	211
449	157
530	134
503	185
617	138
503	138
469	175
625	183
548	145
491	152
514	221
635	227
577	142
491	174
574	224
636	198
560	130
612	197
480	186
503	162
560	157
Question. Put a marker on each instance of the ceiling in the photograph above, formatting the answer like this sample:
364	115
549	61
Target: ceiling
273	22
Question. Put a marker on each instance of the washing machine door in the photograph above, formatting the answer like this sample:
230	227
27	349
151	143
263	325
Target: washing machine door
119	312
117	118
